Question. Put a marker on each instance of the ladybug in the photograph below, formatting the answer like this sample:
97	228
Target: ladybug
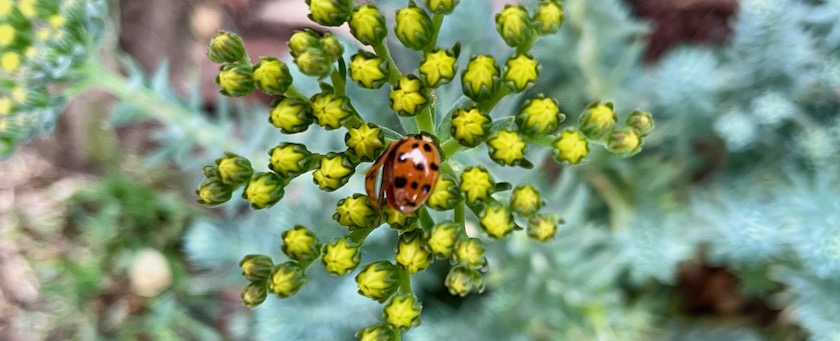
410	168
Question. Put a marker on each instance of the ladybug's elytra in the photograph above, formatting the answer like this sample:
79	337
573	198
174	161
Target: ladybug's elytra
410	168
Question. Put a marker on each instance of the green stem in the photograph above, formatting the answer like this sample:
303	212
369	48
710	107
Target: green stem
405	282
359	235
487	106
424	120
294	92
437	20
394	73
450	147
426	221
612	197
338	79
461	215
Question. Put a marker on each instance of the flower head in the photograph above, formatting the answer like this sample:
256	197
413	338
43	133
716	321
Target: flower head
341	255
412	252
539	116
521	70
514	25
256	268
403	311
333	171
396	219
409	96
496	220
289	159
226	47
330	110
624	142
378	280
441	6
291	115
235	80
570	146
476	183
314	63
507	148
331	46
264	190
367	24
355	212
542	227
303	41
470	126
597	121
364	141
641	122
445	194
525	200
368	70
463	280
377	332
234	169
300	244
254	294
438	67
470	252
442	239
549	17
481	78
414	27
286	279
213	191
330	12
271	76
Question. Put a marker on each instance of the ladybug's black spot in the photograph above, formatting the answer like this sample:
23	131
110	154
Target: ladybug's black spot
418	138
426	188
433	166
415	146
414	185
411	203
419	166
400	182
402	158
427	147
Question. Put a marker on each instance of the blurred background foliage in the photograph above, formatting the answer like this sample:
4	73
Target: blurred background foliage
725	227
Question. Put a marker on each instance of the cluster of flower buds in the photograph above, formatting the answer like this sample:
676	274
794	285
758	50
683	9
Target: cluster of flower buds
41	43
500	207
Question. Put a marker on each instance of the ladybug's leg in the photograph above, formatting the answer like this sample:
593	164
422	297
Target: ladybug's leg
377	195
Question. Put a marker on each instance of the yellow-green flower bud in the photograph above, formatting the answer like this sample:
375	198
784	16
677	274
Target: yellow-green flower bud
624	142
214	192
442	239
481	78
355	212
570	146
330	110
438	67
396	219
470	126
256	268
497	220
412	252
289	159
403	311
514	25
286	279
226	47
539	116
549	17
234	169
304	40
291	115
477	184
368	70
525	200
442	6
333	171
598	120
330	12
463	280
445	195
235	80
520	71
254	294
272	76
332	46
367	24
341	256
300	244
315	63
10	62
264	190
414	27
507	148
470	252
378	280
641	122
377	332
364	141
542	227
408	98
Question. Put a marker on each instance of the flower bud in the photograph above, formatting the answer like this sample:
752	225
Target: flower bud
445	194
463	280
264	190
396	219
442	239
470	252
549	17
291	115
330	12
520	71
377	332
438	67
300	244
477	184
470	126
364	141
368	70
10	62
302	41
481	78
341	255
214	192
414	27
570	146
289	159
330	110
496	220
315	63
597	121
226	47
234	169
256	268
378	280
403	311
514	25
332	47
641	122
539	116
441	6
355	212
624	142
367	24
286	279
334	170
507	148
542	227
408	98
271	76
525	200
235	80
412	252
254	294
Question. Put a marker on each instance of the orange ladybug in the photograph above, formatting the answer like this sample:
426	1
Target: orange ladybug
410	168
